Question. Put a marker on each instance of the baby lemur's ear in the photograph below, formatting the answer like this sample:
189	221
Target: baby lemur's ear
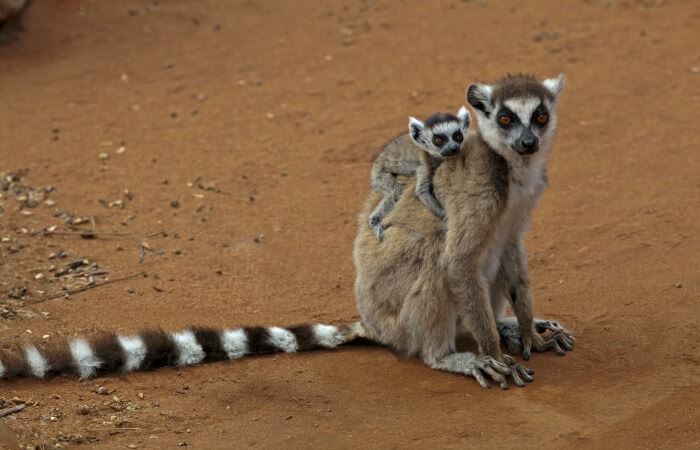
555	85
464	118
416	129
479	96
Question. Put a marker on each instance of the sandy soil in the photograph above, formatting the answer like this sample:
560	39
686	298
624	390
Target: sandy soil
279	108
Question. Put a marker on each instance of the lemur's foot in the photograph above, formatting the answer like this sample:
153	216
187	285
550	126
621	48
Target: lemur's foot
519	372
486	368
559	340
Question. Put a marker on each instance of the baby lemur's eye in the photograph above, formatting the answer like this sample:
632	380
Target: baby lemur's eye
505	120
458	137
438	140
542	118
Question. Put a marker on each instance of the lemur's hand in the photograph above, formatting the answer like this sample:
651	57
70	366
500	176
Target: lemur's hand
559	340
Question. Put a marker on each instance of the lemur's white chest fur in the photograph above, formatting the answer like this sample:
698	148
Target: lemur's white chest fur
524	188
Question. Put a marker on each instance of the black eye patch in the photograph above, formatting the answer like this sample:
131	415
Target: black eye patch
505	117
439	140
540	116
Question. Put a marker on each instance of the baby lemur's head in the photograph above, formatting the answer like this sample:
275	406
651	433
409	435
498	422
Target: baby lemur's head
517	115
441	135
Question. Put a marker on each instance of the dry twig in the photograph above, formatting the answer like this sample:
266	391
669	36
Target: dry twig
12	410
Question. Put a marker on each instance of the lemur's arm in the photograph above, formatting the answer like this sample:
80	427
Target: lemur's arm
469	233
424	187
515	274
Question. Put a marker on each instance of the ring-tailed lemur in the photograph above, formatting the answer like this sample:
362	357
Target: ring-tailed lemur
426	279
419	152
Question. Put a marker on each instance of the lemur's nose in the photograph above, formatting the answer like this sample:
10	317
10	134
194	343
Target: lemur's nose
529	144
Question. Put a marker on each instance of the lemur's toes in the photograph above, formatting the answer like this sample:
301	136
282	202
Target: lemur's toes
553	345
563	339
480	378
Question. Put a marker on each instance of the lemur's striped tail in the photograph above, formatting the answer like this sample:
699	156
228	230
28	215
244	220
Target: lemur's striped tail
88	357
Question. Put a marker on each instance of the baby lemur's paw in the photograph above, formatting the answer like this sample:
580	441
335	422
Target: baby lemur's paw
375	222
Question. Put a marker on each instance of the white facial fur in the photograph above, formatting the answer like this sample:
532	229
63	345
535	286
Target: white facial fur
503	140
423	135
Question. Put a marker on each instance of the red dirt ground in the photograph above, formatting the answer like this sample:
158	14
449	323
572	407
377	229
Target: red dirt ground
283	105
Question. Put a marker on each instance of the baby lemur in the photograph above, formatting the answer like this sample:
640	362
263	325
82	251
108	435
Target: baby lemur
419	152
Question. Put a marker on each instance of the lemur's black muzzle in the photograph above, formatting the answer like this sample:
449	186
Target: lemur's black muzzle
449	151
527	143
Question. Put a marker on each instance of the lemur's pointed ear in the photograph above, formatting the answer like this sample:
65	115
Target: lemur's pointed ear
415	129
479	96
555	85
464	117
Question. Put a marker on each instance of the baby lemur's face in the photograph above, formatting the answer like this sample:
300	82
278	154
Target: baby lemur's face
441	135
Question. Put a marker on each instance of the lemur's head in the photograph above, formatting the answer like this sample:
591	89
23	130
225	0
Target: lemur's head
517	115
441	134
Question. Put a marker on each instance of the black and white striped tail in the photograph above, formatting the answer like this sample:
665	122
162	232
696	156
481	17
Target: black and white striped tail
88	357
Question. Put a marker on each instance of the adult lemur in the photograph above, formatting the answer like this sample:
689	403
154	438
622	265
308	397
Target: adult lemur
427	277
415	287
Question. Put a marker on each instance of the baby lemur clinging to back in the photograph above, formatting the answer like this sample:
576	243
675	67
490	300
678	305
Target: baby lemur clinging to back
419	152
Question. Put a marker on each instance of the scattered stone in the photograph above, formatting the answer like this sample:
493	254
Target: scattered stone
103	156
259	238
175	203
677	285
102	391
199	183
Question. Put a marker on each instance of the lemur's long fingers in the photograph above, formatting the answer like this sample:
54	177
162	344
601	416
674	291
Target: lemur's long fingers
564	340
500	367
516	377
543	325
527	351
553	345
497	377
527	374
518	371
476	373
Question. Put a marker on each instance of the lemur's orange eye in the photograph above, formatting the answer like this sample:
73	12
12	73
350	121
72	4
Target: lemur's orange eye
438	140
542	119
505	120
